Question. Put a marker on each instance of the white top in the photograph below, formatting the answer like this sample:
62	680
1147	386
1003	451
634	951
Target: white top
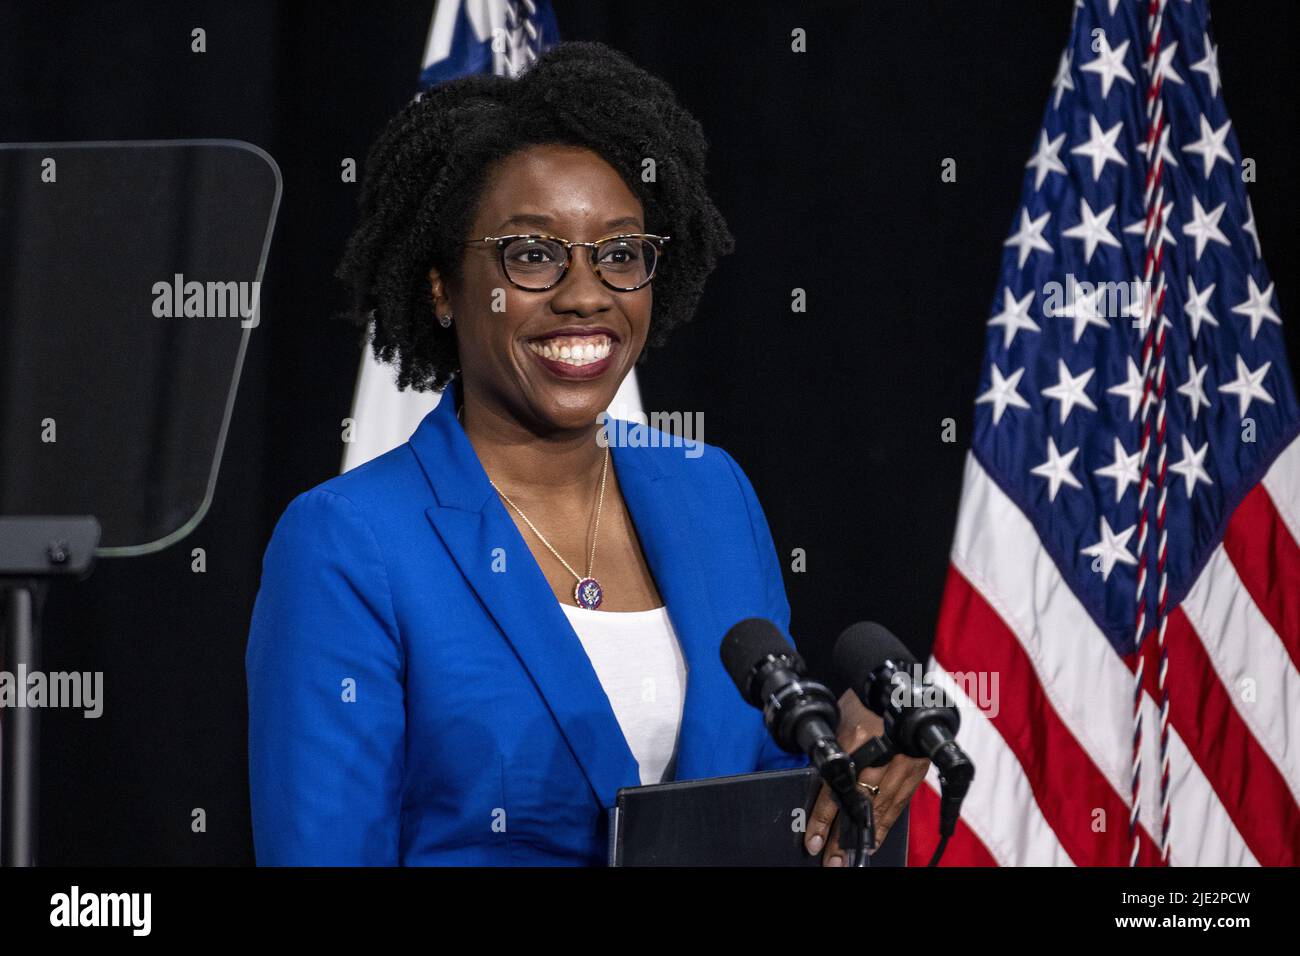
639	662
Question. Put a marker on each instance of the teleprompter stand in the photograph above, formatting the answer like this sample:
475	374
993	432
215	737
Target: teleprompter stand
33	550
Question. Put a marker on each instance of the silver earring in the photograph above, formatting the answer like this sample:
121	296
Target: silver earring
445	320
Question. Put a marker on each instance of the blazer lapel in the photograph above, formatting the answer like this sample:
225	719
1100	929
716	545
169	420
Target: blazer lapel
473	524
665	528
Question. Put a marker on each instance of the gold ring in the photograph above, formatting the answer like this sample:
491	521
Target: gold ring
873	790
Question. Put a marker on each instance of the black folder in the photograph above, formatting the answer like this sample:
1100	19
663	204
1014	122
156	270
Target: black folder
745	820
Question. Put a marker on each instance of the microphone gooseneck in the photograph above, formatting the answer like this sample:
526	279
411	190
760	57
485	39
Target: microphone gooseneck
878	667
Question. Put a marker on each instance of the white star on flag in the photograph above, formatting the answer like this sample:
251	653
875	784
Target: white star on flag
1100	147
1110	550
1069	390
1211	144
1014	316
1250	229
1209	65
1204	226
1194	387
1130	389
1057	469
1064	81
1165	67
1002	393
1165	153
1092	229
1083	309
1257	307
1124	470
1030	235
1047	159
1140	226
1109	64
1192	467
1197	306
1248	385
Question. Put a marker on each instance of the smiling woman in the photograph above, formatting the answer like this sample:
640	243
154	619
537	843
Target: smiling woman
530	342
463	649
441	161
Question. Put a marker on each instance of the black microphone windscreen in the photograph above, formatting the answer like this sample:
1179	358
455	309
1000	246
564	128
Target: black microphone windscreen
747	644
862	648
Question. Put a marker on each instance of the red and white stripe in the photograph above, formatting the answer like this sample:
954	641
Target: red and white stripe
1053	753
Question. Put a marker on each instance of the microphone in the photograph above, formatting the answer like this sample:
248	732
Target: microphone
800	714
877	666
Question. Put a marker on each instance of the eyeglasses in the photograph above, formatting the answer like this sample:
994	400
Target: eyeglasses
536	263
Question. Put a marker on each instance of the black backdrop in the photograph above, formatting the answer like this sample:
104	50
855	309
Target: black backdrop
835	413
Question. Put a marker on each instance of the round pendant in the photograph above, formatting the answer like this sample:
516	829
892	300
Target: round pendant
588	593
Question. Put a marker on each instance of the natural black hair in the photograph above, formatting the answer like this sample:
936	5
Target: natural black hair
424	174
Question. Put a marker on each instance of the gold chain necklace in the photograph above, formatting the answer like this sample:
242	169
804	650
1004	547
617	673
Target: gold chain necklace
588	592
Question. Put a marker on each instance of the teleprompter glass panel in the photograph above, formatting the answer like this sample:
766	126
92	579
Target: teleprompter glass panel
130	278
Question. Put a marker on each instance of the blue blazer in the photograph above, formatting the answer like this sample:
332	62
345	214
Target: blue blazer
416	695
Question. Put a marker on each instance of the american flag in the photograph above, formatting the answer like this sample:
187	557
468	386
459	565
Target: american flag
1126	558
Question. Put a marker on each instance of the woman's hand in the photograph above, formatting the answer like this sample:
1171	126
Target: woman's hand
897	781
